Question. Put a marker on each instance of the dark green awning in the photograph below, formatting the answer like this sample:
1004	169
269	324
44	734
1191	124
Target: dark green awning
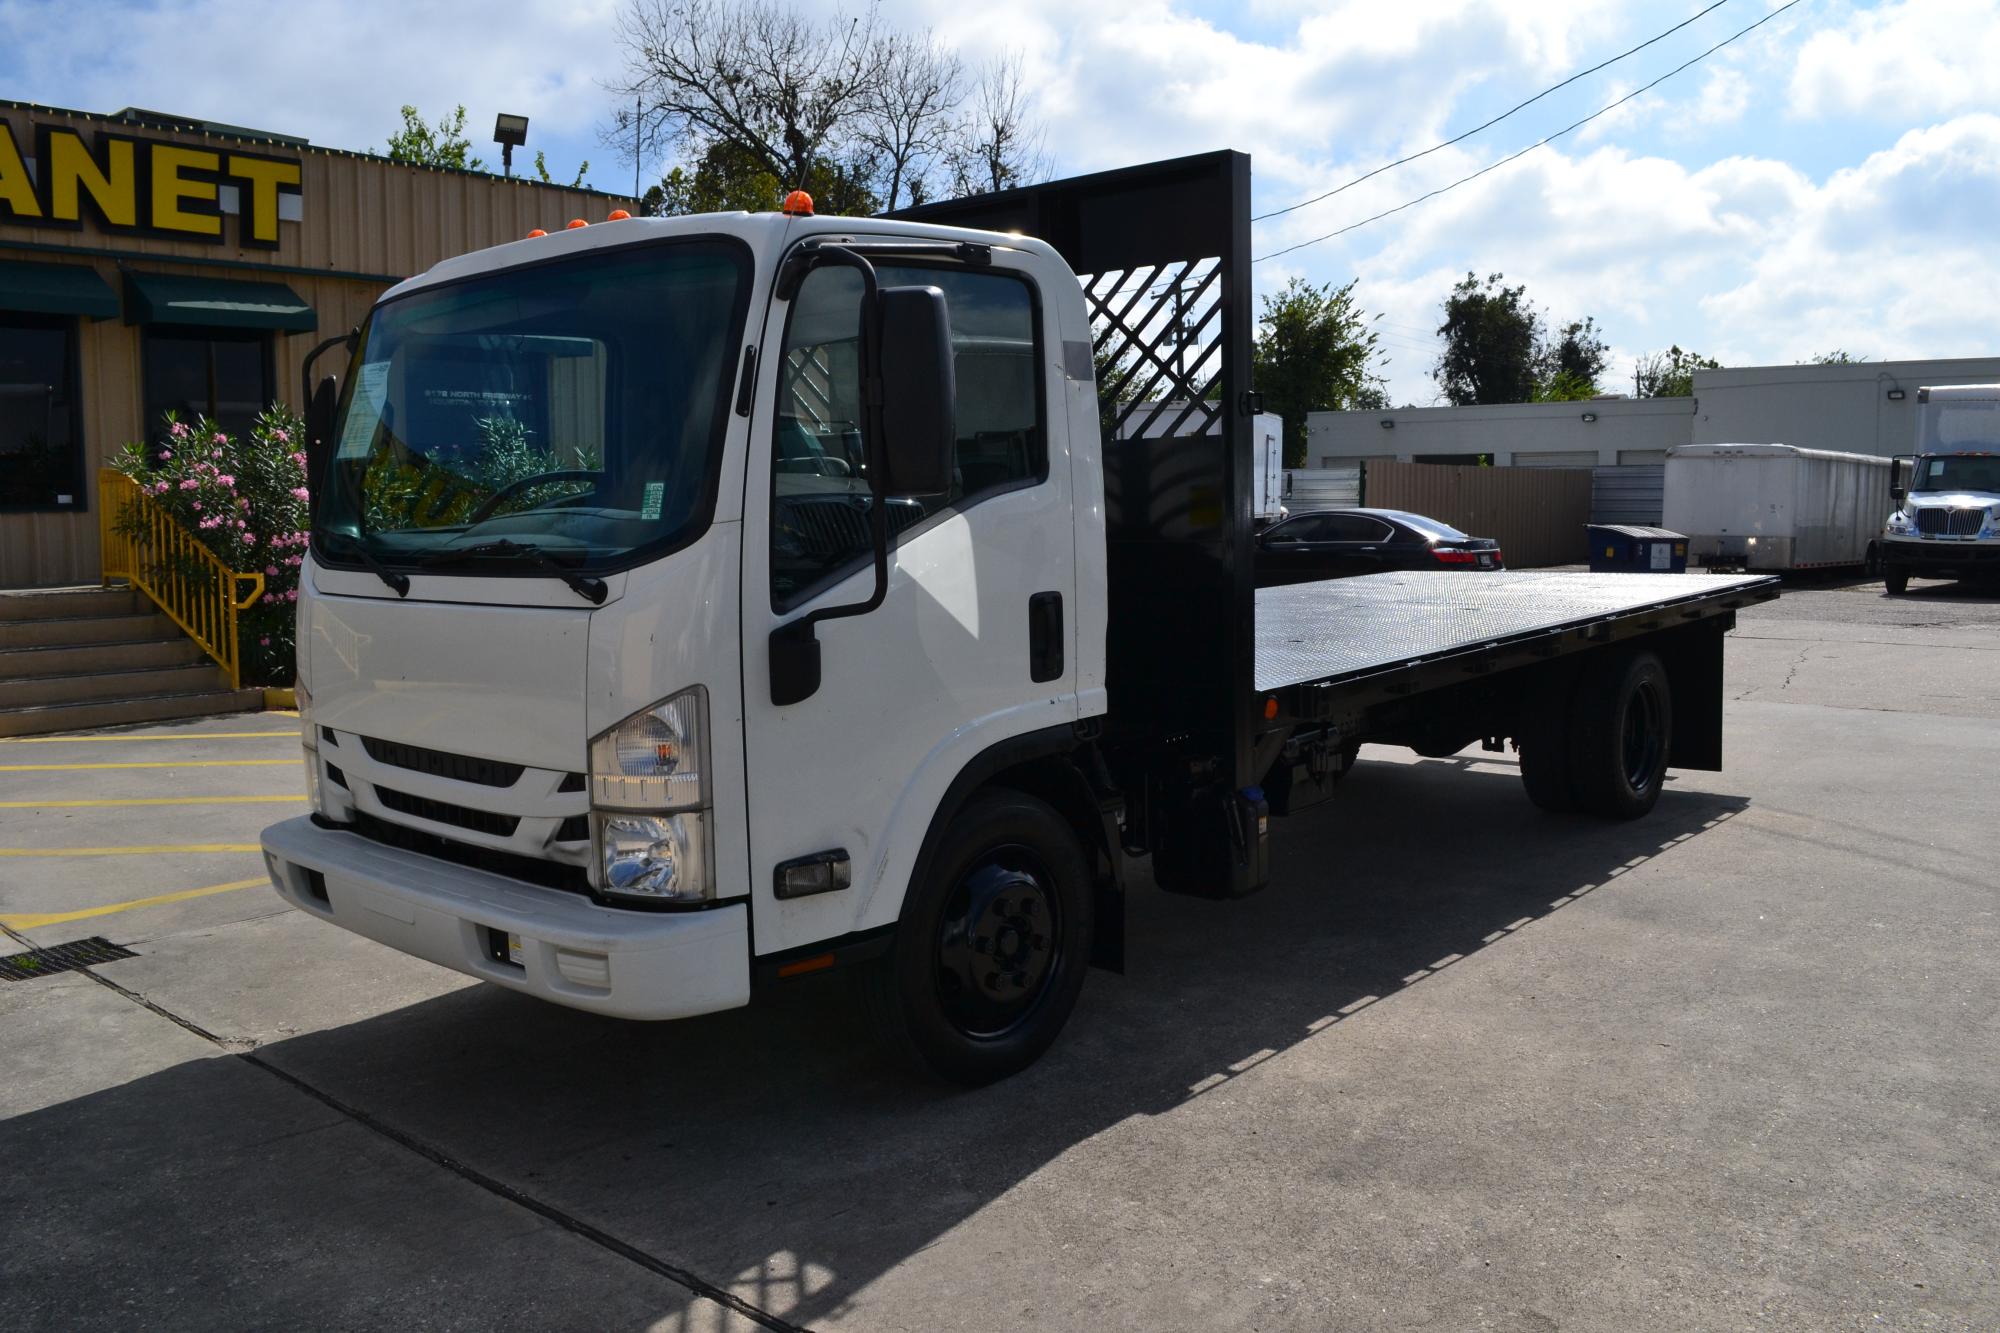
157	298
56	289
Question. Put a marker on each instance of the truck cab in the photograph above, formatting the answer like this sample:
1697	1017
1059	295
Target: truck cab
1946	523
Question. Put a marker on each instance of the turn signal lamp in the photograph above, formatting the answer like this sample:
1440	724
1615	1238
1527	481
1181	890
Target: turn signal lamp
798	204
649	803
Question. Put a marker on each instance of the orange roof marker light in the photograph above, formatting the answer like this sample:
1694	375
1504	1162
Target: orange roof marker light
536	232
798	204
574	223
618	215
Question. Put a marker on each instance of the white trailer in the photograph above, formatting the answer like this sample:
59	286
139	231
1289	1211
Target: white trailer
1774	506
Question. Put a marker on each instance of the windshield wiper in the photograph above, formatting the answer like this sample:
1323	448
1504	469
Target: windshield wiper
400	582
590	589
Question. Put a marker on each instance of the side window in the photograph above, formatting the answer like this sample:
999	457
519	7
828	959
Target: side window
819	471
1355	528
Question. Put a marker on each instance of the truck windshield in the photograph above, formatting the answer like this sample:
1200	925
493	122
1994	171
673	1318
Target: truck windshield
575	407
1967	472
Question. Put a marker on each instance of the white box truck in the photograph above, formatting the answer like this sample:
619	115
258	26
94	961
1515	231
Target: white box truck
694	604
1774	507
1946	521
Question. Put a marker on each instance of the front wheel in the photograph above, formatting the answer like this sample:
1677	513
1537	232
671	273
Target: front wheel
991	950
1896	582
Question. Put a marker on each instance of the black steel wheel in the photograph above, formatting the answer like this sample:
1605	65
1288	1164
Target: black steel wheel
1620	734
993	943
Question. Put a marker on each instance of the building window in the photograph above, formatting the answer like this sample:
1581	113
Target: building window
820	492
223	374
41	461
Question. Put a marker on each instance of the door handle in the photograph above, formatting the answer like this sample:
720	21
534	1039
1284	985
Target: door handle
1045	636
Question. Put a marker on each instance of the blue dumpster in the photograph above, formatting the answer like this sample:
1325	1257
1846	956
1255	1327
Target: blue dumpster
1627	548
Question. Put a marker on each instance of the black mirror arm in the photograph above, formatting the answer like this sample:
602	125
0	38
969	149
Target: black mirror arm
351	337
794	648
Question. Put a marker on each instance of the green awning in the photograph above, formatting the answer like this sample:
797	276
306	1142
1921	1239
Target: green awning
56	289
157	298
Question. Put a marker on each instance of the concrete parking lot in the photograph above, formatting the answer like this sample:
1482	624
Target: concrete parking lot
1463	1066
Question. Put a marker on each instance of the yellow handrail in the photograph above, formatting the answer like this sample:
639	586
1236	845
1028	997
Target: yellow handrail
165	561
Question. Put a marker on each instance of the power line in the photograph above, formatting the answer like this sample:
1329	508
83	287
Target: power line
1540	143
1583	73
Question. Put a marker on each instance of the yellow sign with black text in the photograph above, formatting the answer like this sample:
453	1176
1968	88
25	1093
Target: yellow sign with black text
154	187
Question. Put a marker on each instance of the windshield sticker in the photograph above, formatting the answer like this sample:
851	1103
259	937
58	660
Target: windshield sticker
371	387
656	493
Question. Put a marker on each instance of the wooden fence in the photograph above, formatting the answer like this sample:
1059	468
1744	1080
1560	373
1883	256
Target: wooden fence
1536	514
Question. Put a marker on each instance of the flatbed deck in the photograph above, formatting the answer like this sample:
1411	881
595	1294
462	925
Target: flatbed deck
1350	629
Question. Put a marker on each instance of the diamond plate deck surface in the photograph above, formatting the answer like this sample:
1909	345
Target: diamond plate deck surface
1358	626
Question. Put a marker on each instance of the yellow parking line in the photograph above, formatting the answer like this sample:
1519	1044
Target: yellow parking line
149	763
30	920
151	800
155	849
145	736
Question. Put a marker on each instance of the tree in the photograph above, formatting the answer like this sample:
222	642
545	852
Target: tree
787	91
443	145
997	144
908	126
1314	352
729	177
1834	358
1576	357
542	171
1670	374
1491	343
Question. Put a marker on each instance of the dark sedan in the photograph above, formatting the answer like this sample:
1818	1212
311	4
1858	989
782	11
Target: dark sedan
1341	542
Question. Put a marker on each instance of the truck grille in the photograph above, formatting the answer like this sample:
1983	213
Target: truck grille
532	870
443	812
439	764
1950	522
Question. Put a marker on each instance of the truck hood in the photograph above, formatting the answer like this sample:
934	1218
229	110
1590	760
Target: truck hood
497	682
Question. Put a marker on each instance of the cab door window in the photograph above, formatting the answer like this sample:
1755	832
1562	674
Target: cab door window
820	501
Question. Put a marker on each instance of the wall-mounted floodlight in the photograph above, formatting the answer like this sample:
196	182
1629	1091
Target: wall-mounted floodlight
1388	424
510	132
1590	416
1897	395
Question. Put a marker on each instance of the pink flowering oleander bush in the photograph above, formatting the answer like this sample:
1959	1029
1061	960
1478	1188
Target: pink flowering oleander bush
244	498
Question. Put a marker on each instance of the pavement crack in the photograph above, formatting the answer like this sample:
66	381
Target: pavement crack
569	1222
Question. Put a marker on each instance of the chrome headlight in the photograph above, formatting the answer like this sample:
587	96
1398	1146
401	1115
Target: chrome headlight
649	803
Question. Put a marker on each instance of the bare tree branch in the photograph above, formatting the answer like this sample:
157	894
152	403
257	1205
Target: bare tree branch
909	119
998	144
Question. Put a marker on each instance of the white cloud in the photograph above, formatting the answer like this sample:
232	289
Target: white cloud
1916	58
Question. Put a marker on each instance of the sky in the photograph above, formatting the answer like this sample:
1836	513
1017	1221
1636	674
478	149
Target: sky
1831	180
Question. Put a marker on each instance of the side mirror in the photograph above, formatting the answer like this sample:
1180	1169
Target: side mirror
319	436
1898	494
919	391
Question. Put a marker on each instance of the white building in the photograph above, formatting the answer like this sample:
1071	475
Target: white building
1867	407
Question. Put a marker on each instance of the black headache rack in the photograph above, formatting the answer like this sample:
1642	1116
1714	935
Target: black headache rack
1215	687
1163	253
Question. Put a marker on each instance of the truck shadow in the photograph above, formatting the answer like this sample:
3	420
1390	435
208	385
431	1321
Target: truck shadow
770	1151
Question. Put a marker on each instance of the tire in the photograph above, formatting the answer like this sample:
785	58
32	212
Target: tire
1871	562
1896	582
1621	727
1008	884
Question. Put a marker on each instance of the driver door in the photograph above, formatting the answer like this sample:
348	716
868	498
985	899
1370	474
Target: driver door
974	641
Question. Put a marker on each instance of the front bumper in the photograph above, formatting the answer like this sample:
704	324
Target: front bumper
630	964
1945	556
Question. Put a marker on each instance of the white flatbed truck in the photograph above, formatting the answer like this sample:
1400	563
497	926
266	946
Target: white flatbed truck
697	603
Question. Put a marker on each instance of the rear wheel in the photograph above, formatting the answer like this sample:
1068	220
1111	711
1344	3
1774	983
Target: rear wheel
990	954
1621	724
1544	748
